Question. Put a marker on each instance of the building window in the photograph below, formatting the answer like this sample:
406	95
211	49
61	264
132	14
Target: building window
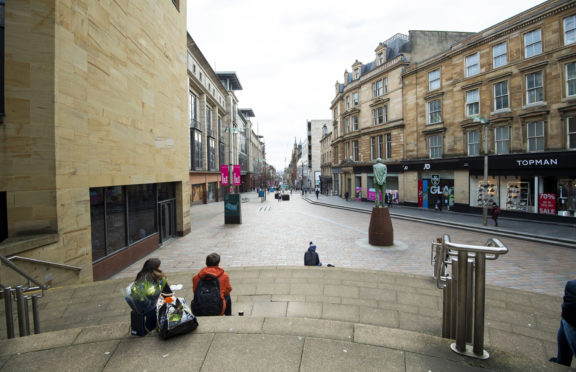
502	140
434	109
570	30
347	102
385	85
532	43
347	150
356	73
472	102
373	148
380	115
208	121
434	80
355	99
355	122
347	123
535	136
571	130
473	143
377	89
380	146
219	127
472	65
355	149
571	79
221	154
380	58
388	146
499	57
435	146
500	96
324	130
211	154
196	149
534	88
193	114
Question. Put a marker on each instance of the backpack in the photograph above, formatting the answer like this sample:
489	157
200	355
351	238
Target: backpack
207	297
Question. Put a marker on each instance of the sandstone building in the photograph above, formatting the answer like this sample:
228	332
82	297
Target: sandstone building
94	136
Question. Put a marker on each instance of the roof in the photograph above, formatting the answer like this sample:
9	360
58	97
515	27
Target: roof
229	80
247	112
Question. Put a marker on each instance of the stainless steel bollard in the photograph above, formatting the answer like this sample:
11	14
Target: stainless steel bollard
479	303
35	315
461	305
20	305
8	303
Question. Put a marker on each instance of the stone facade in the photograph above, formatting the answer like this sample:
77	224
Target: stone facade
95	96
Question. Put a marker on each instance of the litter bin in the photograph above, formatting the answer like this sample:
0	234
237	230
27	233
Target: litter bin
232	209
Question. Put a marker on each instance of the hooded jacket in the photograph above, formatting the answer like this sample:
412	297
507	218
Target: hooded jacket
223	278
569	304
311	257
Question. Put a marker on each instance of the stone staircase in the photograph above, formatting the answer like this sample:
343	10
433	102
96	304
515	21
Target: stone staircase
295	318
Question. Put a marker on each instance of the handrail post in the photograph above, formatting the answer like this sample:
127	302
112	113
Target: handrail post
8	303
479	303
20	305
35	315
461	305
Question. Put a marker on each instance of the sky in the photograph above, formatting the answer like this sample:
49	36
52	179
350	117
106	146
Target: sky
288	55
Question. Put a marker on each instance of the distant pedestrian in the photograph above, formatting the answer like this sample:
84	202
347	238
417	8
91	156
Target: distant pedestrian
567	331
317	192
346	195
311	257
495	213
438	204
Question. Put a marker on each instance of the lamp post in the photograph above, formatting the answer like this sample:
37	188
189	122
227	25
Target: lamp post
485	122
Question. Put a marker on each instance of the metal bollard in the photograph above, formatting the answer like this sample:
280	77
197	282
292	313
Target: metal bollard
27	315
9	313
20	305
35	315
479	303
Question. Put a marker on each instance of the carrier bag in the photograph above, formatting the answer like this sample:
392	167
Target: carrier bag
175	318
142	323
207	297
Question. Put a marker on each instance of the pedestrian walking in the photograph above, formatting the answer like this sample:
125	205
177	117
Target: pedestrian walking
346	195
317	193
495	213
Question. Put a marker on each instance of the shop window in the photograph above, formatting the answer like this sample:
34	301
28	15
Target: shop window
501	96
473	137
434	112
472	102
535	135
435	147
141	211
502	140
571	131
518	196
571	79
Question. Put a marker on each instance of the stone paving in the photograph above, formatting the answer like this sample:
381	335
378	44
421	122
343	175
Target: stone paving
276	233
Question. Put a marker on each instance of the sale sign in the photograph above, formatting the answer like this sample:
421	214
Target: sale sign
547	203
224	175
236	175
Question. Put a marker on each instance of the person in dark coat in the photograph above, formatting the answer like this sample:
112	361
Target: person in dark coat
311	257
567	331
495	213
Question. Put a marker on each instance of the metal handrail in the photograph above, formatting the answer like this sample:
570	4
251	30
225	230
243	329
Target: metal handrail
47	263
19	271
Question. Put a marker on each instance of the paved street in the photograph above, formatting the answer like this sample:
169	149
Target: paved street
277	233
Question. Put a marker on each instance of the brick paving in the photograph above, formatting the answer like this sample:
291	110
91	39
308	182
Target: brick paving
276	233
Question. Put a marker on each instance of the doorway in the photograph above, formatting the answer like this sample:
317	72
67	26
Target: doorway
166	220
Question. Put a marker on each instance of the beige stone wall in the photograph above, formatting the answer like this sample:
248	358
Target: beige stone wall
101	100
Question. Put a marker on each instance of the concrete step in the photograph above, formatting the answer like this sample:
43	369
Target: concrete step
517	322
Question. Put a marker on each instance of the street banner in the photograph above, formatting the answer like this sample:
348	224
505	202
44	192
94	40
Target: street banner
420	194
236	175
224	175
547	203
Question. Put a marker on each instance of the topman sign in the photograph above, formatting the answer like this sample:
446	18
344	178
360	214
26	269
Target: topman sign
537	162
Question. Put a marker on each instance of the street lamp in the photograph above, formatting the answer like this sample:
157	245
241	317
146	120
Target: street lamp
485	122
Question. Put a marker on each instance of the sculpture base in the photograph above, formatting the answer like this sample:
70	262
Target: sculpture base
380	232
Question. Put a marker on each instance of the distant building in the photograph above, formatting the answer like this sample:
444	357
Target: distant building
326	185
315	130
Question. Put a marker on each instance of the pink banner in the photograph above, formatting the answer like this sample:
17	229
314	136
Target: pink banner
547	203
224	175
236	175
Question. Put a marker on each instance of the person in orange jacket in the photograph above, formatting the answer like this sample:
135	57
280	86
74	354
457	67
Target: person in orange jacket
212	268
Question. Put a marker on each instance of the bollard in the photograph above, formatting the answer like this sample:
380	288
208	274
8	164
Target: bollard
35	315
20	304
9	313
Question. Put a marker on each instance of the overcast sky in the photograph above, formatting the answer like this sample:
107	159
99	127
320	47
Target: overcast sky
289	54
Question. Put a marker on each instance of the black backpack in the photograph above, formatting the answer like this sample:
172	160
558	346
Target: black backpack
207	298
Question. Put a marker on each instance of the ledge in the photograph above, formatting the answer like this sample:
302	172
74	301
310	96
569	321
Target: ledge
19	244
